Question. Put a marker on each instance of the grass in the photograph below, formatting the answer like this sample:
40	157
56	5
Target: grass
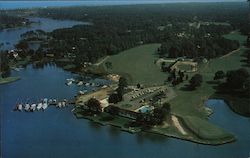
107	119
194	105
205	130
8	80
137	64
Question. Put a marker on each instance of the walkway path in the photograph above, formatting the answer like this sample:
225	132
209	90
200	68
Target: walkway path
228	54
178	125
100	62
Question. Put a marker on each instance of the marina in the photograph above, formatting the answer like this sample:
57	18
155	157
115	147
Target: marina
43	105
79	83
161	98
60	119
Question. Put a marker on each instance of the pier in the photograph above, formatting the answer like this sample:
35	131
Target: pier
43	105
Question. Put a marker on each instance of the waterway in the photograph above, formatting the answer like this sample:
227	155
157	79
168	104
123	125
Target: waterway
10	37
57	133
46	4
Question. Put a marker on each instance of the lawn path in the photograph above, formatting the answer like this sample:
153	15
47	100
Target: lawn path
232	52
100	62
178	125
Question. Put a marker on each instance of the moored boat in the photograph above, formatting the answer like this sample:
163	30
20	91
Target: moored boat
39	106
63	104
20	107
33	107
69	83
45	106
59	104
27	107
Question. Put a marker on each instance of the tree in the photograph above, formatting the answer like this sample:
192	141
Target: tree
248	41
123	82
23	45
94	105
109	65
248	56
112	110
158	116
246	88
115	98
166	107
219	75
138	85
237	78
195	81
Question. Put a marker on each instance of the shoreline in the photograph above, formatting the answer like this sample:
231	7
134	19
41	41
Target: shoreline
153	130
9	80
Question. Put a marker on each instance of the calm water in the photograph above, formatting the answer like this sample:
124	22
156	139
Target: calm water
44	4
57	133
10	37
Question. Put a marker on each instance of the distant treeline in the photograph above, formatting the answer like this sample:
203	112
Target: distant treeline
192	30
179	27
8	21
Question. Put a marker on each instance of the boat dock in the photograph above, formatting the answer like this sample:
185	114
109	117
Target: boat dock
43	105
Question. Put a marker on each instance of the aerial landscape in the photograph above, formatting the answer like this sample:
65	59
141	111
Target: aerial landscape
147	79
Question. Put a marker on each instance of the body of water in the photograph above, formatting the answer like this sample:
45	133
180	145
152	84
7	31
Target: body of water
45	4
10	37
57	133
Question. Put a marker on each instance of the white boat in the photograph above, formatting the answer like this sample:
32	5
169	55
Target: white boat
70	79
87	84
17	69
80	83
63	104
59	104
50	101
81	92
45	105
69	83
45	100
33	107
20	107
27	107
39	106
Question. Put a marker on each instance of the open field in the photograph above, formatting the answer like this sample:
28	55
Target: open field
137	64
8	80
205	130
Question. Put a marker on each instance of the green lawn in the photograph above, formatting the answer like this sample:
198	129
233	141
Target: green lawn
205	130
137	64
191	102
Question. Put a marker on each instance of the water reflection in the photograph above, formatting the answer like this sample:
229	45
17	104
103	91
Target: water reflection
143	137
114	132
95	126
